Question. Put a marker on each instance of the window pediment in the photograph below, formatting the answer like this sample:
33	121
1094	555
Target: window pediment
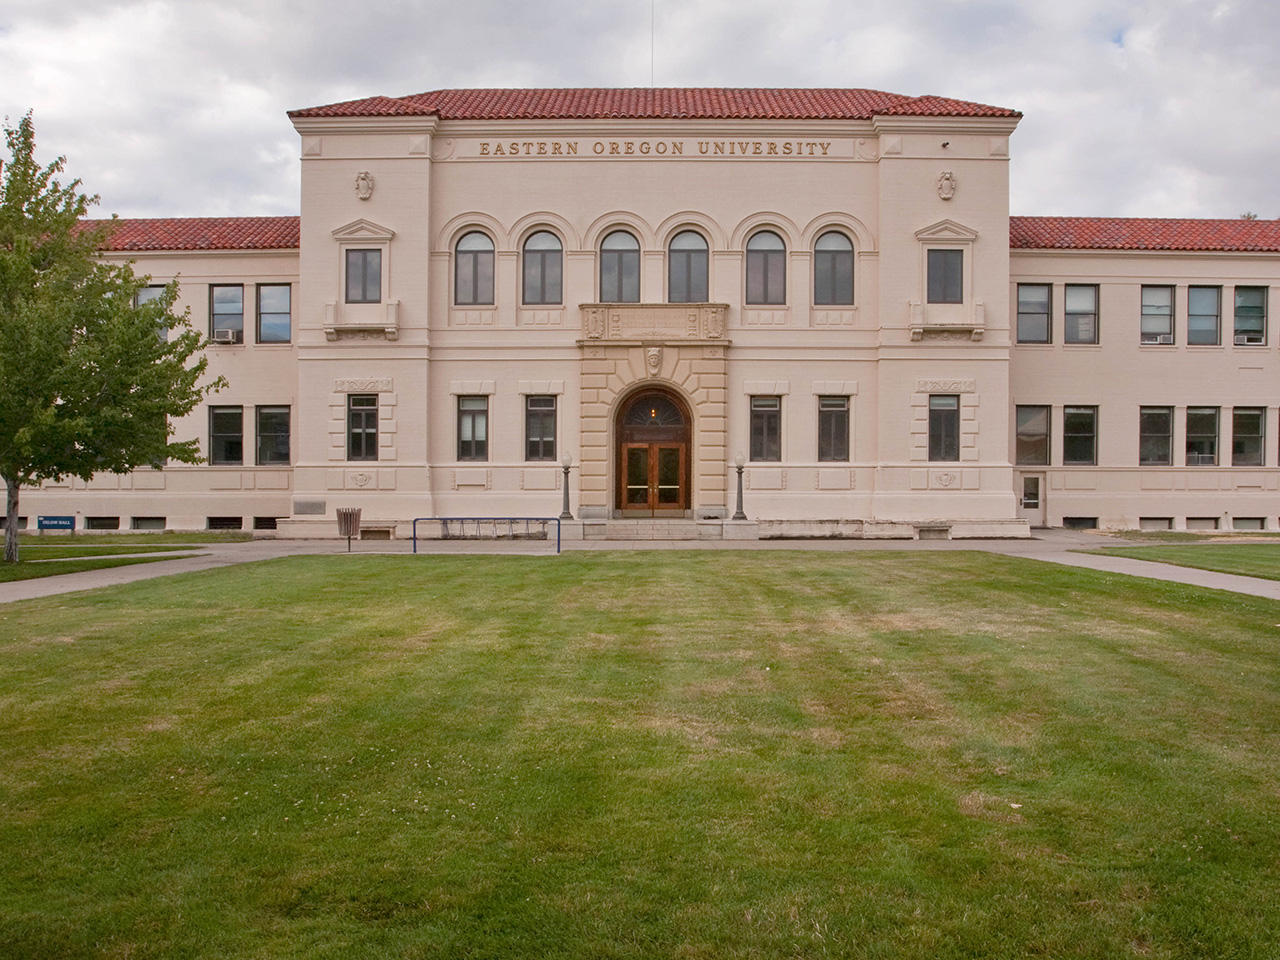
363	230
947	230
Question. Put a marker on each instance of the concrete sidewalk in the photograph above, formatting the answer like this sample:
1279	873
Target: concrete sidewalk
1051	546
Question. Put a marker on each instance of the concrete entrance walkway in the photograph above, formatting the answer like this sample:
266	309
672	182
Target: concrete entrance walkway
1051	546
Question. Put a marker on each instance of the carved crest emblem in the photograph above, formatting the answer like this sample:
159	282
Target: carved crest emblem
364	185
946	185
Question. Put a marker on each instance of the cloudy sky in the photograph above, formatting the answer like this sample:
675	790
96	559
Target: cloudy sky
177	107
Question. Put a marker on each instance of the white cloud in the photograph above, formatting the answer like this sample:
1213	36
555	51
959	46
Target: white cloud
1133	107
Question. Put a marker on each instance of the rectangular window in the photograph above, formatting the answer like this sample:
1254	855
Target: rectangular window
1248	430
1032	436
146	295
1079	435
1155	436
226	435
273	435
1251	316
364	276
147	523
946	276
1080	324
274	313
833	429
539	428
766	428
944	426
362	426
1034	313
1202	436
1204	315
226	313
1157	314
473	428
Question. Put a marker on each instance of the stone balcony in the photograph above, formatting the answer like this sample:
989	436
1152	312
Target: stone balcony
653	321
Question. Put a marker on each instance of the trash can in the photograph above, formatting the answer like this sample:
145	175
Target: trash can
348	523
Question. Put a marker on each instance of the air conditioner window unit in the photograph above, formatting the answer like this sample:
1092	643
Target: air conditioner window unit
1249	338
224	336
1165	338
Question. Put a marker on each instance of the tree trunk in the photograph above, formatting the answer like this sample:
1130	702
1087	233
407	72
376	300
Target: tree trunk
11	522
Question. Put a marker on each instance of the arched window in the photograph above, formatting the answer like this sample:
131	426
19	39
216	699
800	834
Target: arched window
687	268
620	268
473	270
766	269
833	270
543	268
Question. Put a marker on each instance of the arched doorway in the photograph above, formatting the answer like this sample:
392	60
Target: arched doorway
653	455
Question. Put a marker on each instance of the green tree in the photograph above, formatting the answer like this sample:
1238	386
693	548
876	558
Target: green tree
89	378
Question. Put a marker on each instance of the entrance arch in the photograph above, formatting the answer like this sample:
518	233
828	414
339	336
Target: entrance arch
653	455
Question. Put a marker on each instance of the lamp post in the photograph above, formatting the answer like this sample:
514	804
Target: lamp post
566	461
738	462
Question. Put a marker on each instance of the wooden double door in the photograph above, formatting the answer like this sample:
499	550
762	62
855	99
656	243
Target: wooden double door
653	457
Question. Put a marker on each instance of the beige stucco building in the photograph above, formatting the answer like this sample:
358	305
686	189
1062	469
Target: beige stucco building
823	288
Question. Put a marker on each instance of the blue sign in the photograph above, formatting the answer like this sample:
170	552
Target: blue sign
55	523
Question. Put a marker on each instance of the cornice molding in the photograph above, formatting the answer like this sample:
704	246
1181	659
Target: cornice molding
983	126
348	126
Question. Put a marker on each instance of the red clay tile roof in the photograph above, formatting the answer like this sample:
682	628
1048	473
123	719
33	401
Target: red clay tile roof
1135	233
680	103
203	233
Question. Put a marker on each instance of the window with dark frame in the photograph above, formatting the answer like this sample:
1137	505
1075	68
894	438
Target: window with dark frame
273	435
766	429
364	276
539	428
1251	316
362	426
1031	435
226	312
1157	315
945	276
226	436
1155	436
1034	314
1204	315
944	427
833	429
473	428
1080	318
1202	436
1248	436
1079	436
687	268
543	269
766	269
833	270
620	268
275	323
473	270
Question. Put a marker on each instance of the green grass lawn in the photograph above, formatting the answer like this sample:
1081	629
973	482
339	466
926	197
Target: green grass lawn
695	755
1249	559
1191	536
157	537
25	570
67	551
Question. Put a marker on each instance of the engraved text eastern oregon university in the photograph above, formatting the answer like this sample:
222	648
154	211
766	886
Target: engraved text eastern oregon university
649	148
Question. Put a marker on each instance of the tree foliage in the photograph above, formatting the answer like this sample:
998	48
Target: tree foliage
89	378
